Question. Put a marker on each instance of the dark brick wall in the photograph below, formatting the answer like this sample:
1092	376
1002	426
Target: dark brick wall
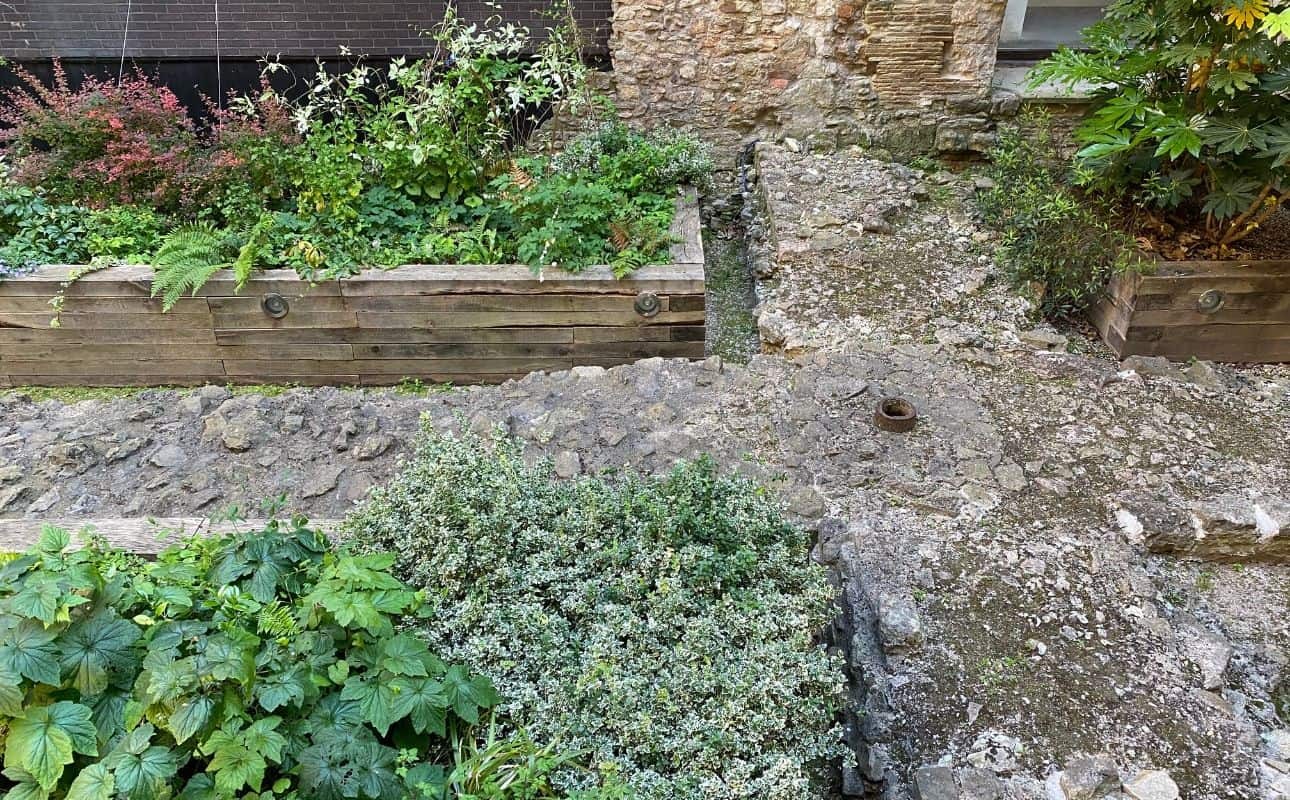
185	29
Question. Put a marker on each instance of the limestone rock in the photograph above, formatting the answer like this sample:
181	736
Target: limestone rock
168	457
1208	651
1044	339
321	481
1089	777
568	464
935	783
1152	784
899	625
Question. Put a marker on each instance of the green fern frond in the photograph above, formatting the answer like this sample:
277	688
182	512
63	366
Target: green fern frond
186	260
276	620
250	253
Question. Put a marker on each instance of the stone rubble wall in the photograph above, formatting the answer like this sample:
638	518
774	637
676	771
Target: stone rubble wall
910	75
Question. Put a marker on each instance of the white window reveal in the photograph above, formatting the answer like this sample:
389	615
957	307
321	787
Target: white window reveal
1046	24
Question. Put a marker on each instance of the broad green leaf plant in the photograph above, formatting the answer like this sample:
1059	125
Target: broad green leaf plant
258	666
1191	112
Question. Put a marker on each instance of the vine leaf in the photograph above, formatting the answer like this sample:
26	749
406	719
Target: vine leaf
43	740
94	782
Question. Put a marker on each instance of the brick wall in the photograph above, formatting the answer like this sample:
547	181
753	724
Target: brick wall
185	29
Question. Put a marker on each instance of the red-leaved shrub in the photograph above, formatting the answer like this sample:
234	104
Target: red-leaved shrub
104	142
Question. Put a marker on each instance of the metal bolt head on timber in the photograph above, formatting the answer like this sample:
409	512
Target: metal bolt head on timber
275	305
895	414
1210	301
647	304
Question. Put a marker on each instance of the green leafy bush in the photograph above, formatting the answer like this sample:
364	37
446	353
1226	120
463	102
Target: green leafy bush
1191	113
253	666
1057	244
666	627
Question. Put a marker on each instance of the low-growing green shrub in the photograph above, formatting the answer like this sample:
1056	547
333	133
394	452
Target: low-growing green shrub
254	666
1058	245
665	626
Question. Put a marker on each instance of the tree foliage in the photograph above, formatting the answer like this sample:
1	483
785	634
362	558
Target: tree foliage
1191	113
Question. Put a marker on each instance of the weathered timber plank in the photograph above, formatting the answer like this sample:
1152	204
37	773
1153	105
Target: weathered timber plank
687	302
249	304
491	302
688	333
141	535
75	320
258	320
1187	300
1233	284
30	304
623	333
392	366
166	351
486	319
142	378
1219	342
19	370
594	350
463	350
1268	267
395	335
174	336
1263	310
432	280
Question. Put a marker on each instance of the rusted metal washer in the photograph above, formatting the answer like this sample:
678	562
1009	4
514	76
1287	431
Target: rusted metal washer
648	304
895	414
275	305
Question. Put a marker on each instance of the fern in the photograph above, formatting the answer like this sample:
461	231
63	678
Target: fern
186	260
250	253
276	620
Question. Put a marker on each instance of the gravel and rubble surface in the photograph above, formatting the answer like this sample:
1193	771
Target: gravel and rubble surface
1011	631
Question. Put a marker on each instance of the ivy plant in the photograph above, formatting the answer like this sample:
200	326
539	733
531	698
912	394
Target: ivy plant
1191	113
256	666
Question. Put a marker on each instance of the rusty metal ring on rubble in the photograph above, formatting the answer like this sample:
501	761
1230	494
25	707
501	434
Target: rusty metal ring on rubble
895	414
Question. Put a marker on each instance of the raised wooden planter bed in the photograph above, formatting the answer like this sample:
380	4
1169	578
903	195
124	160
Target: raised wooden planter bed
464	324
1211	310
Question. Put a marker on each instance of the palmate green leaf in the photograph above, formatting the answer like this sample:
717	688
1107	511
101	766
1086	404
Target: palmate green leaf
235	765
262	737
39	598
1234	135
1232	81
90	647
94	782
26	790
1231	197
190	717
11	693
374	771
43	740
325	772
142	770
402	655
281	689
1277	24
468	695
1177	138
375	699
145	775
424	702
53	540
108	711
